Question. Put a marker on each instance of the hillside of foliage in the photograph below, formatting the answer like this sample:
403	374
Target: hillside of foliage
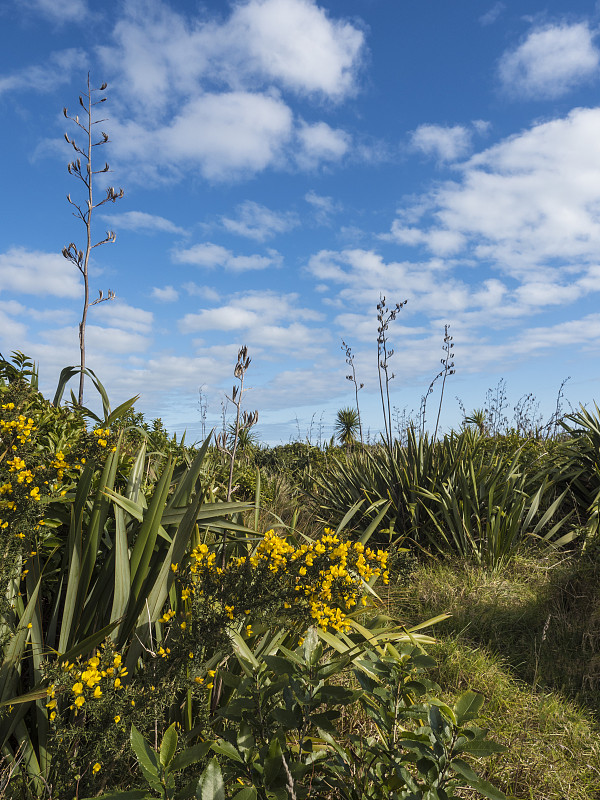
416	620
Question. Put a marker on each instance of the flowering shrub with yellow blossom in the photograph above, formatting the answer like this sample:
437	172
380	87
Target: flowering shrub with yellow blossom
321	580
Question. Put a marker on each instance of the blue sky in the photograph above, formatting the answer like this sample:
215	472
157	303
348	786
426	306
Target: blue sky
285	163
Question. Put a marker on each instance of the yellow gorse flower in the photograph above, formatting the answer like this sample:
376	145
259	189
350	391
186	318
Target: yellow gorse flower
328	574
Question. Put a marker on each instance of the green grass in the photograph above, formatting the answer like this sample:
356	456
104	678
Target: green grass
529	640
553	748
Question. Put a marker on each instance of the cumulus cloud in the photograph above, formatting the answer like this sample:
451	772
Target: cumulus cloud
210	255
259	222
270	322
320	142
206	292
292	44
34	272
165	295
445	143
492	14
124	316
551	61
323	206
140	221
225	136
296	44
210	94
60	10
530	204
44	78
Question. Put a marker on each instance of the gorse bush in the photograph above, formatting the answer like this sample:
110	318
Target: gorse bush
322	580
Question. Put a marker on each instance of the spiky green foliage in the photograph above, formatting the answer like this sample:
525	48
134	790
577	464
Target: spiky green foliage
346	426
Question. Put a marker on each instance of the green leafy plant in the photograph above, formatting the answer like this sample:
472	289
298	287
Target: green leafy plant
346	426
281	733
159	769
417	746
110	577
486	510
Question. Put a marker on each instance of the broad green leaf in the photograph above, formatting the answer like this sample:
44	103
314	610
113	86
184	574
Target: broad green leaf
75	554
190	756
375	523
147	758
482	748
485	788
132	507
120	410
168	746
14	650
210	784
247	793
273	763
348	516
184	490
468	706
122	576
226	749
34	694
146	538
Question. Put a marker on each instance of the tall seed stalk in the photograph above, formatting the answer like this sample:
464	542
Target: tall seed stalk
243	422
384	317
448	366
350	361
81	258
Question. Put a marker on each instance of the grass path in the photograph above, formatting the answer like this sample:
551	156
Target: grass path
527	640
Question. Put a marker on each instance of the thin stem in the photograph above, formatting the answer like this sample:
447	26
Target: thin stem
88	226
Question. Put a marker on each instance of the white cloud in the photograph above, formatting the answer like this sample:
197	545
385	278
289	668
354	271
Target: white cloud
44	78
12	328
165	295
234	132
121	315
364	275
269	322
225	136
323	206
572	332
195	93
60	10
258	222
114	340
320	142
287	43
210	255
34	272
140	221
550	62
445	143
294	43
530	204
206	292
435	293
492	15
98	339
